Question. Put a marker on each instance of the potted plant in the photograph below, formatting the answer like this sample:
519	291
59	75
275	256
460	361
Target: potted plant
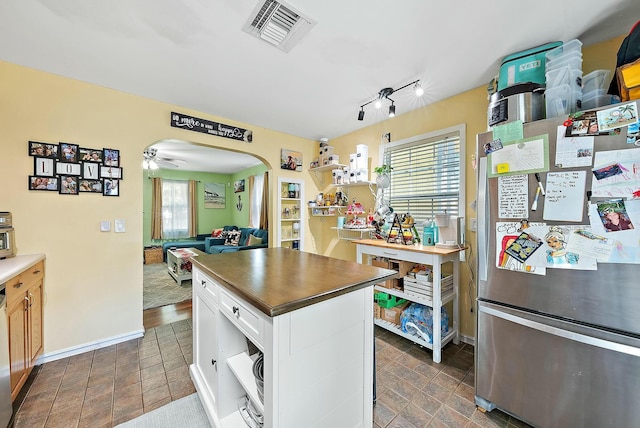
383	180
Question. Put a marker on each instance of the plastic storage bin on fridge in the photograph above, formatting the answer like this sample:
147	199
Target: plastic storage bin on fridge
525	66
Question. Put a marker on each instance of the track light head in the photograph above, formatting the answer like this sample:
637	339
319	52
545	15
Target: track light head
392	110
418	89
384	94
361	114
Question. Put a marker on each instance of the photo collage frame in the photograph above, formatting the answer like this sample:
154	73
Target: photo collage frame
69	169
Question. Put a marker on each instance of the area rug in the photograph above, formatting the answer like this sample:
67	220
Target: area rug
160	289
186	412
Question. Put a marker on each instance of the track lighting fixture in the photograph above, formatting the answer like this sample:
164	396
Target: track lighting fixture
384	94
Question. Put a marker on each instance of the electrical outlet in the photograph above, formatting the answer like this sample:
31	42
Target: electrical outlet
474	224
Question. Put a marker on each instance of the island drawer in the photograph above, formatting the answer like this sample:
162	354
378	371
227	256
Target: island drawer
244	316
203	282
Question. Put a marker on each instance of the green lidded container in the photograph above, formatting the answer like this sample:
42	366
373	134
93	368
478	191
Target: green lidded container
525	66
387	300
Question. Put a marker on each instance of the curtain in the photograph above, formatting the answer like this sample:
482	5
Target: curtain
156	208
264	208
252	206
193	211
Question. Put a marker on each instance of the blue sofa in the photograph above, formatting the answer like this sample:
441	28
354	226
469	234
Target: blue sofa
198	243
216	245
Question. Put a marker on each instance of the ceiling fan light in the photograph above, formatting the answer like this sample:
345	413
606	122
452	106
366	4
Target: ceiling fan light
153	164
145	164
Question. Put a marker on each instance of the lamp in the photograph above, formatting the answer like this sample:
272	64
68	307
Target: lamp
384	94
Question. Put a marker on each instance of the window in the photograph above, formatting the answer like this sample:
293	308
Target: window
175	209
256	200
427	177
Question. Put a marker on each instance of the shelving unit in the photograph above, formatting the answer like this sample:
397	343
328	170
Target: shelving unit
319	171
419	254
290	222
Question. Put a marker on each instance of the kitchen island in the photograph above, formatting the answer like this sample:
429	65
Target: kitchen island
309	316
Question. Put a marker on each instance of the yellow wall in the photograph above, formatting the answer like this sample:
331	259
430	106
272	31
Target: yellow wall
94	279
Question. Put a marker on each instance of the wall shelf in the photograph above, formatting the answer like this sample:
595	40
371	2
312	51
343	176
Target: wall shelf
351	234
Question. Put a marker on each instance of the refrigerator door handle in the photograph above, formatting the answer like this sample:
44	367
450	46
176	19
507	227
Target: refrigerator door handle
483	221
577	337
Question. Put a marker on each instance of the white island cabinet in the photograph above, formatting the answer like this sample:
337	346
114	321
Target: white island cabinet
311	317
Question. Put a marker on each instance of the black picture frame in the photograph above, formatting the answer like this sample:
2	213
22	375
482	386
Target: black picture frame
68	152
90	171
90	155
43	150
68	185
68	168
44	167
111	157
90	186
110	172
110	187
36	183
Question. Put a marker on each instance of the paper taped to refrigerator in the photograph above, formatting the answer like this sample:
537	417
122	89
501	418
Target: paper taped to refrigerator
513	196
524	156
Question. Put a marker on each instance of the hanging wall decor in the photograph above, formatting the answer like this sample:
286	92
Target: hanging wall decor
214	195
70	169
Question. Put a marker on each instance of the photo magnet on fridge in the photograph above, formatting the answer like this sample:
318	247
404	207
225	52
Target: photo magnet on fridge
523	247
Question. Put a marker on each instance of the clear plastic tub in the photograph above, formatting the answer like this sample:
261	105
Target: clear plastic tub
564	76
571	60
562	100
572	46
595	80
598	98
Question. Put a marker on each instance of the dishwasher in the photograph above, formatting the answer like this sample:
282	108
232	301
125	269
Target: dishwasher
6	408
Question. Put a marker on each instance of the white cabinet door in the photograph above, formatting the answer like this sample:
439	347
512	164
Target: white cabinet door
205	344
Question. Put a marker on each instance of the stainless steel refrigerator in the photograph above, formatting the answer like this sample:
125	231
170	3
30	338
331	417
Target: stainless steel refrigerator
561	349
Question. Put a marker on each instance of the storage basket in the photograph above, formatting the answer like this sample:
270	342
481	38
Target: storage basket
387	300
152	255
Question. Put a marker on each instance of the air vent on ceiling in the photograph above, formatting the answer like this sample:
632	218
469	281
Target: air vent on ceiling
278	24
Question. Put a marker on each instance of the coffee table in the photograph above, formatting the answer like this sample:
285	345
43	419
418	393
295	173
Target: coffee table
178	263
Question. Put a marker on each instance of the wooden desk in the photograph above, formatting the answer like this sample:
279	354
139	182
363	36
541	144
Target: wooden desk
312	318
433	256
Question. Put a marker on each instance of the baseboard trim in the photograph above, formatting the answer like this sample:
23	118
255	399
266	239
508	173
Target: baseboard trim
469	340
91	346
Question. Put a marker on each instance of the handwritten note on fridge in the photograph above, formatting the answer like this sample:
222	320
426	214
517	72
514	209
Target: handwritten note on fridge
564	199
513	196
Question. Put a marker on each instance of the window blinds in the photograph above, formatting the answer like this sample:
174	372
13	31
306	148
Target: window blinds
426	177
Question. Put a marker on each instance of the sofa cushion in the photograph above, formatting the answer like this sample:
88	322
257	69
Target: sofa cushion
253	240
216	233
233	238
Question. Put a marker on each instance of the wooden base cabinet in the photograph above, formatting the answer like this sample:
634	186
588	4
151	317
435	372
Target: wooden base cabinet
25	319
318	360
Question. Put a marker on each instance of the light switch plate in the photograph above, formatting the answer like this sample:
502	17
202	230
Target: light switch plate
119	225
105	226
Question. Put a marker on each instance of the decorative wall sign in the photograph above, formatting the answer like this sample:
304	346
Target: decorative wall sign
179	120
69	169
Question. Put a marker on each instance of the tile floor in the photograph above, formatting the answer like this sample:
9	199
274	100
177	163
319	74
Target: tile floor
106	387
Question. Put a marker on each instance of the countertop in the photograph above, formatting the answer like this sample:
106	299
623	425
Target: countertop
281	280
418	248
12	266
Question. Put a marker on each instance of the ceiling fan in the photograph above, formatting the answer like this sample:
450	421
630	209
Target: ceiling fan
151	160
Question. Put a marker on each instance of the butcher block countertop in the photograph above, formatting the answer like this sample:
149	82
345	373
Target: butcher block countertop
281	280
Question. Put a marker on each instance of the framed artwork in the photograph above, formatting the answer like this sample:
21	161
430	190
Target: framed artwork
90	171
43	150
238	186
111	157
90	155
110	187
110	172
90	186
64	168
43	183
68	152
214	195
291	160
44	167
68	185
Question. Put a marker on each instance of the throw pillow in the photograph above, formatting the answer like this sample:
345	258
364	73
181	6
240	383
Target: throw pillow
233	237
216	233
253	240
